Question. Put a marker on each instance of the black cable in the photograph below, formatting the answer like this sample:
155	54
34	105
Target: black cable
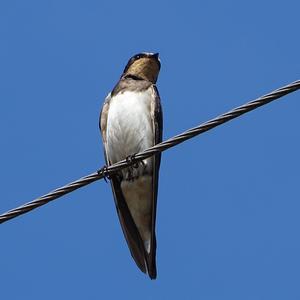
106	171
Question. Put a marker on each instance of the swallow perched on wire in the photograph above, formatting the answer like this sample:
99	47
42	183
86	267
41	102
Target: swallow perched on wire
130	122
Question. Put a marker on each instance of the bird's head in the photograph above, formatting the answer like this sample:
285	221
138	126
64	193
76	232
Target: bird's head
144	66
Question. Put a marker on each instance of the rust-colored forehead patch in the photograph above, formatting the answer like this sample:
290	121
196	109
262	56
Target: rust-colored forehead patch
144	67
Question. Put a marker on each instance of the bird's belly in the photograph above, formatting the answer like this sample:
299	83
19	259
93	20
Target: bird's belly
129	125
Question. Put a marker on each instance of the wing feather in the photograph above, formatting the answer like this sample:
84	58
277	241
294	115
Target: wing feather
157	117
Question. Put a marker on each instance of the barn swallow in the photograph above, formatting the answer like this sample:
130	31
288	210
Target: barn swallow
130	122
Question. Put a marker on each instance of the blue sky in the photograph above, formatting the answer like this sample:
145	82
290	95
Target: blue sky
228	208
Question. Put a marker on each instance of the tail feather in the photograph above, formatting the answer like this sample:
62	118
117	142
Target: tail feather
145	261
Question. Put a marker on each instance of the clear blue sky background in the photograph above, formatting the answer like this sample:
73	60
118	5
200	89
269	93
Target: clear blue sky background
229	201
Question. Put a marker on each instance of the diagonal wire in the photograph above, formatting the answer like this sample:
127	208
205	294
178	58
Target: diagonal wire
171	142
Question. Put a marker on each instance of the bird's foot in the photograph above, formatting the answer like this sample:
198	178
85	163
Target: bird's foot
132	160
104	171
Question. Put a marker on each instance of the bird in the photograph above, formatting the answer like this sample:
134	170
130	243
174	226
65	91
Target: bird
131	121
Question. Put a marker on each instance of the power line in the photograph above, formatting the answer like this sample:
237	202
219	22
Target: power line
106	171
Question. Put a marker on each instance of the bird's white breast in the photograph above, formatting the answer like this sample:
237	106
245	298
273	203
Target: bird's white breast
129	124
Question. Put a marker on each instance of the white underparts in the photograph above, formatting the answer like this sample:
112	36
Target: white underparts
129	131
129	124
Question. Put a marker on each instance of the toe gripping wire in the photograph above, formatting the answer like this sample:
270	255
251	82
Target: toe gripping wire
132	161
105	173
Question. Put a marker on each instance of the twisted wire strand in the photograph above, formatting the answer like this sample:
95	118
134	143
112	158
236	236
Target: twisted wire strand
171	142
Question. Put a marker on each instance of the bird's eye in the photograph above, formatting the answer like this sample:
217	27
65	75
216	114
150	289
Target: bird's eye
138	57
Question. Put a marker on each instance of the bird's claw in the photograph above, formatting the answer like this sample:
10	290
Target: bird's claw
104	171
131	159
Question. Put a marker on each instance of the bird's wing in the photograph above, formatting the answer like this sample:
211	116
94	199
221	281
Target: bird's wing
103	123
157	119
